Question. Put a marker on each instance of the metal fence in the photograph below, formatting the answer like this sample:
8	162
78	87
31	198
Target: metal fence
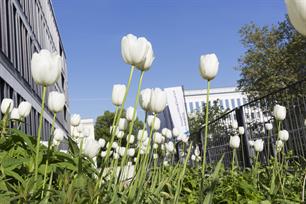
253	116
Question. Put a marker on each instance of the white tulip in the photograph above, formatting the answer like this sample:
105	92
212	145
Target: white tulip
251	143
197	151
142	135
115	145
56	101
155	156
170	146
147	63
279	145
283	135
132	139
166	163
123	124
118	94
156	125
157	138
56	143
241	130
103	153
7	104
155	146
75	120
259	145
15	114
164	131
297	14
130	112
209	66
121	151
46	67
120	135
131	152
279	112
176	132
162	147
268	126
134	50
58	134
193	157
129	163
91	148
24	109
158	100
144	99
305	122
146	141
235	142
234	124
169	134
102	142
116	155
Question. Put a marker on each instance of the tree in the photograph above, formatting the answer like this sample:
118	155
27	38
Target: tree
274	58
105	121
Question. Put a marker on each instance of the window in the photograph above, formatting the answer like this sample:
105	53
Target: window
227	104
238	102
221	104
197	105
191	107
233	103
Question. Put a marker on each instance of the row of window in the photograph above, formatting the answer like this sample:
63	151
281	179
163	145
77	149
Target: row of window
30	125
225	104
18	44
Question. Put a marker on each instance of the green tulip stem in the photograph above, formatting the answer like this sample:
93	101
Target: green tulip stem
5	119
39	131
206	130
233	160
119	115
123	161
80	156
268	146
140	145
115	119
48	155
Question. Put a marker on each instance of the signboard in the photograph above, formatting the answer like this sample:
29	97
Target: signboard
176	104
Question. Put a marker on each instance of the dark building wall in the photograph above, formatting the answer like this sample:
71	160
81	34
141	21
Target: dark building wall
26	27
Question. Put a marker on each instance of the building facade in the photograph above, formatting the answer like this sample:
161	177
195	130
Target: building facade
28	26
227	98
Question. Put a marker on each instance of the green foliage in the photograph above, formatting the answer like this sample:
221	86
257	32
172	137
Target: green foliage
274	58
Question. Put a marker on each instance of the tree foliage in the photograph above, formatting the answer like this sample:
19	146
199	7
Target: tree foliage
275	57
105	121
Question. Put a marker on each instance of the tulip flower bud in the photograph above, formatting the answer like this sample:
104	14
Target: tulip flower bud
209	66
91	148
235	142
102	142
130	112
116	155
259	145
56	143
144	99
15	114
158	100
197	151
75	120
279	112
170	146
142	135
149	58
132	139
155	146
283	135
241	130
56	101
164	131
134	50
115	145
24	109
7	104
165	163
121	151
46	67
155	156
103	154
297	14
118	94
176	132
268	126
120	135
279	145
193	157
58	134
123	124
157	138
234	124
156	124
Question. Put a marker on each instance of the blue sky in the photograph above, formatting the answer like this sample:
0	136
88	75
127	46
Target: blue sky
179	30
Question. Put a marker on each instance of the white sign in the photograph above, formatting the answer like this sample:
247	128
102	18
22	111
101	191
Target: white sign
176	104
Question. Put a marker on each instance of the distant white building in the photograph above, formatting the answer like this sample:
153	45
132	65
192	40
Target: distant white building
228	98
